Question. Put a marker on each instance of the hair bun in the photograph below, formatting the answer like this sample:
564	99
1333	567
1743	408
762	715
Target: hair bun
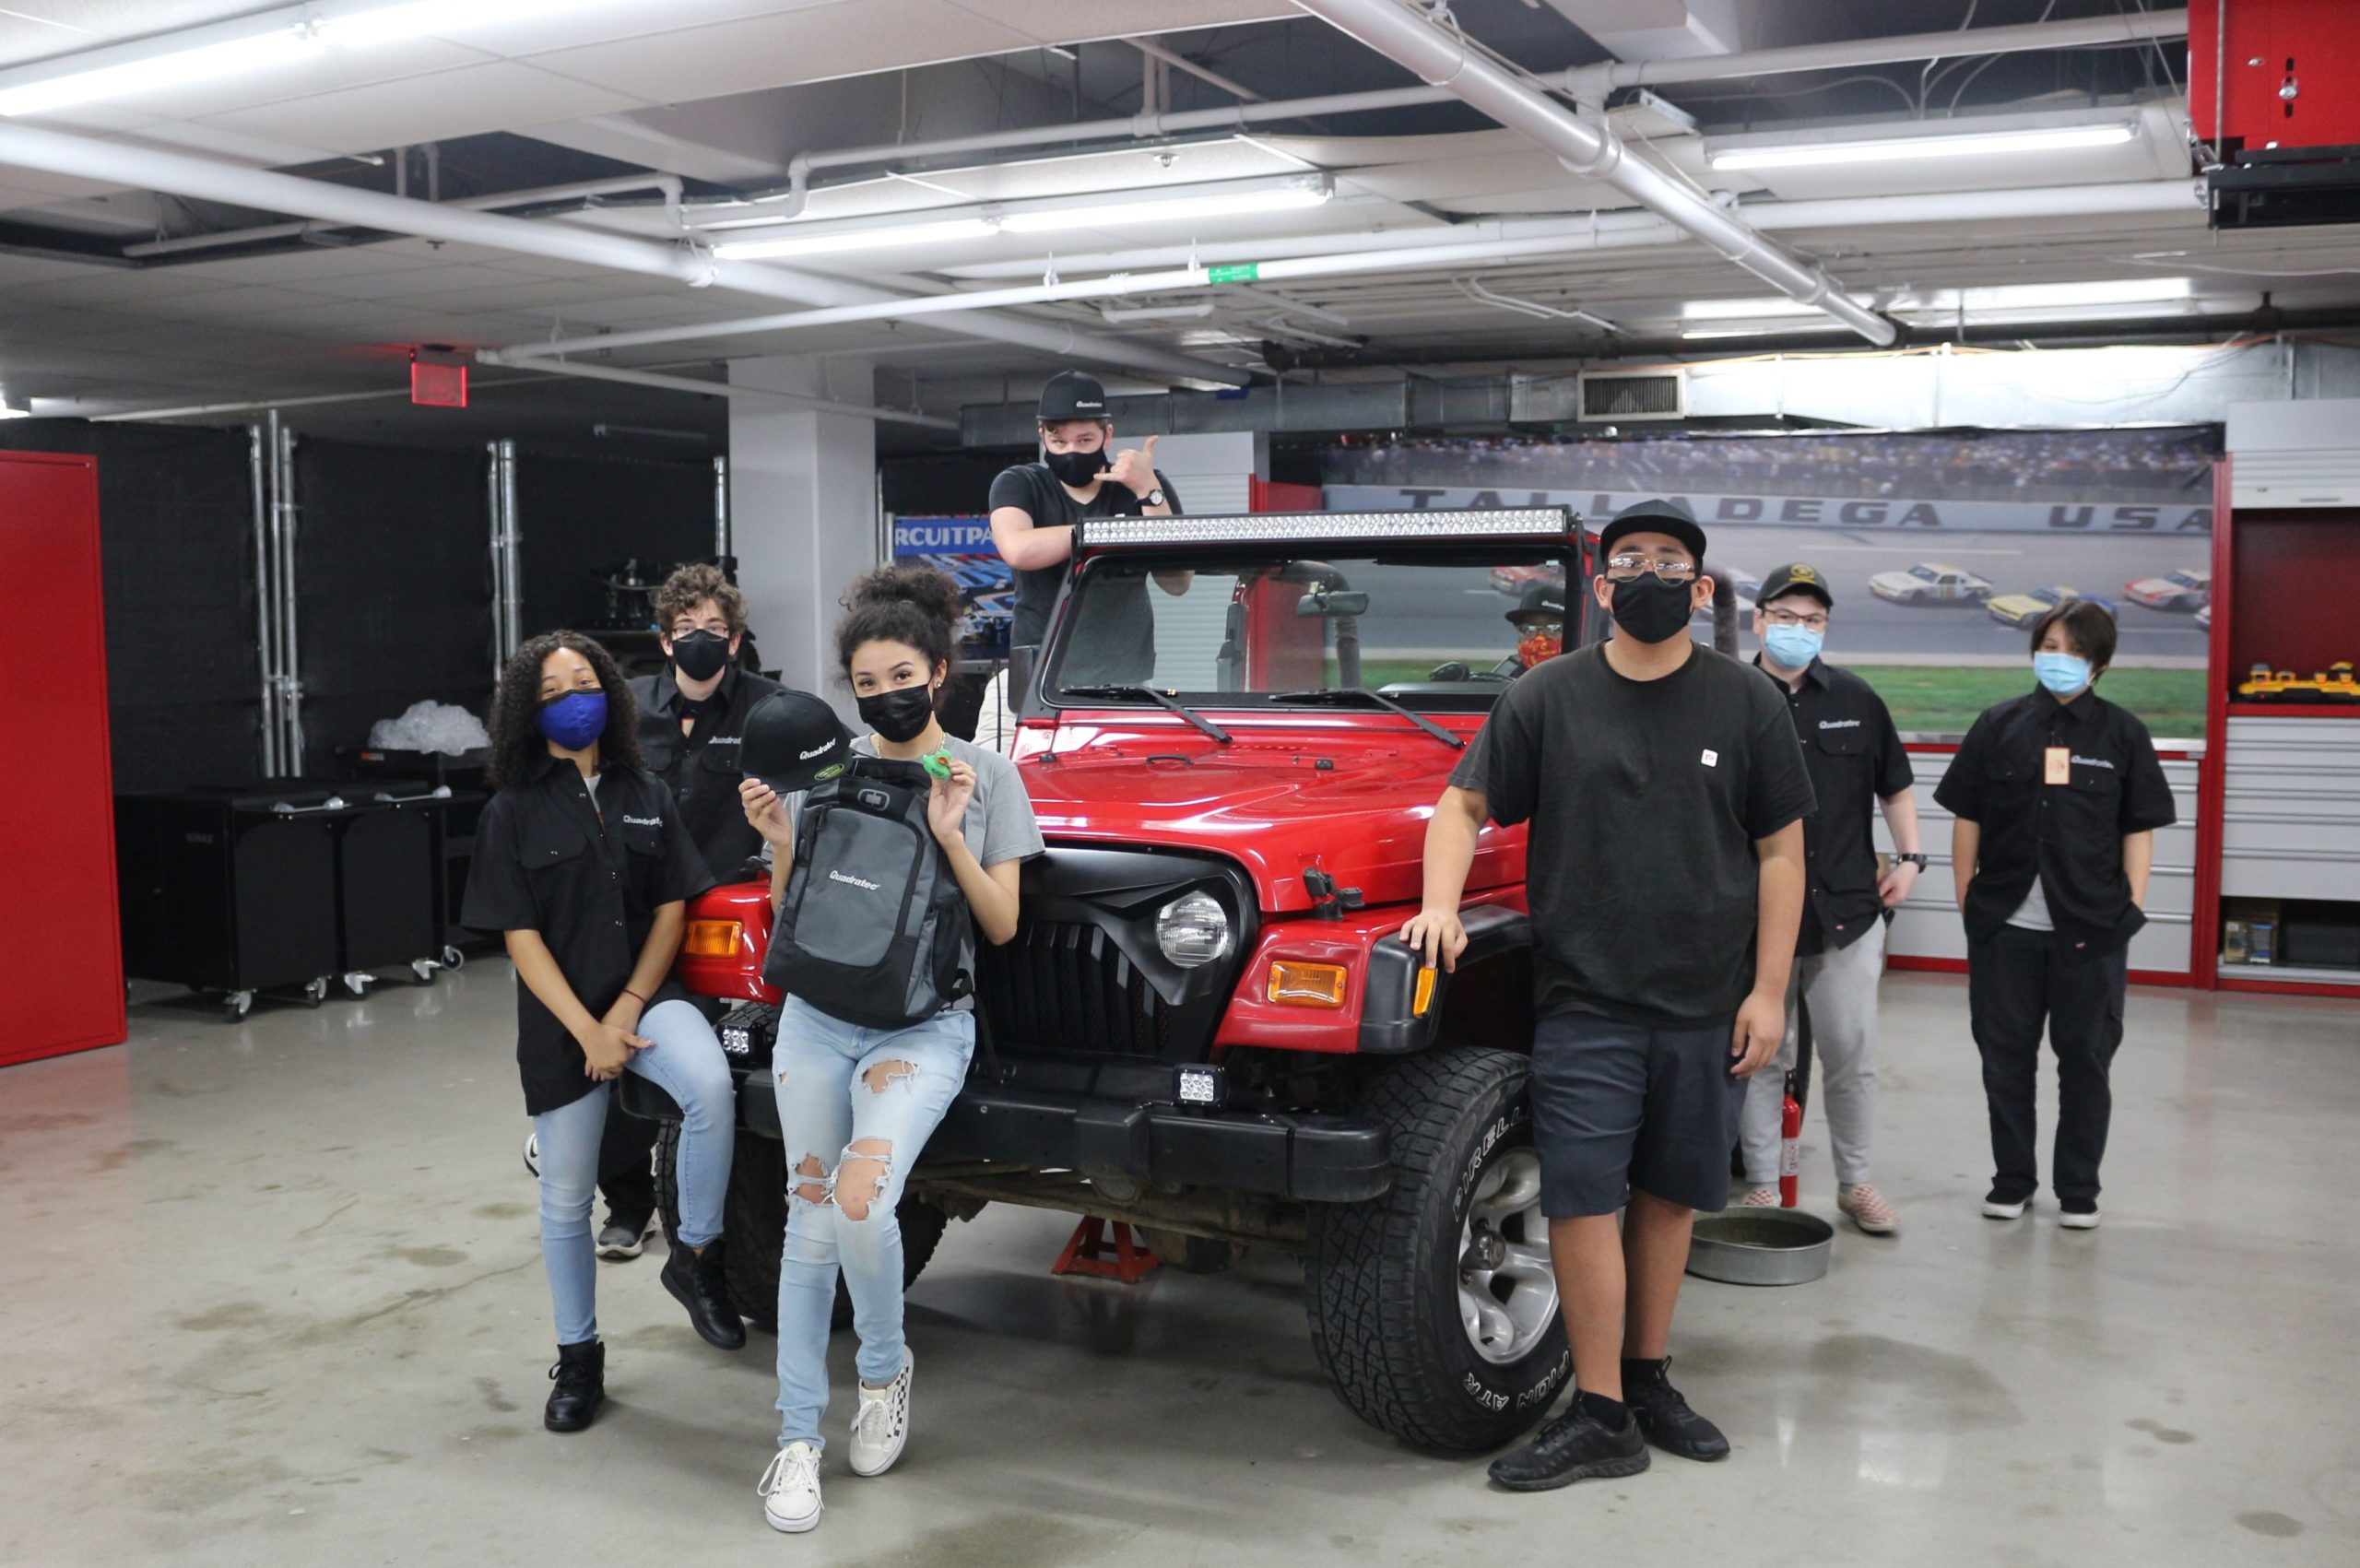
923	587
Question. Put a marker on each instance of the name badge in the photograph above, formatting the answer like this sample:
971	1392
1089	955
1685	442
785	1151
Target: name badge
2058	766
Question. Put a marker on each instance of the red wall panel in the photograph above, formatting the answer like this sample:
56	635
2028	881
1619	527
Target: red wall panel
61	952
2309	46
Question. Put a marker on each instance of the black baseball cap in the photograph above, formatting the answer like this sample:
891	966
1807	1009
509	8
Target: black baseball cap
1541	600
1654	517
1795	579
794	741
1073	395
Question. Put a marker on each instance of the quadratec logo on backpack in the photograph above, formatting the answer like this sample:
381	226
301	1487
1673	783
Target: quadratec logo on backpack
863	883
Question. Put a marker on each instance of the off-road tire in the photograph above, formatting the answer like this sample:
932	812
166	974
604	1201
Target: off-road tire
1192	1254
754	1220
1381	1277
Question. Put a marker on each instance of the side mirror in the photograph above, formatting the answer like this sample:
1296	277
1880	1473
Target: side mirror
1333	606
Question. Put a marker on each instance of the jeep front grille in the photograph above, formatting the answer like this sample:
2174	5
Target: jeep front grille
1065	986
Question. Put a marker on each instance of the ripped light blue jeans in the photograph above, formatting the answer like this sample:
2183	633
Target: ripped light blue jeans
855	1106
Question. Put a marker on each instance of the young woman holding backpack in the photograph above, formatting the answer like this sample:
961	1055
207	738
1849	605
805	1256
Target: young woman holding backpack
857	1102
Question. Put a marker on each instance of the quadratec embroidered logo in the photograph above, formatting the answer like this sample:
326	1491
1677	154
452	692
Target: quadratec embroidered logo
644	821
821	750
861	883
2094	763
1839	724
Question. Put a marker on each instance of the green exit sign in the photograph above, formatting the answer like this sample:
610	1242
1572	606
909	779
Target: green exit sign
1244	273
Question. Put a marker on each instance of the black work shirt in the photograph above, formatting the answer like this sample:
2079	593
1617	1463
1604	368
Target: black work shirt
1645	799
2068	834
699	767
1856	758
1033	489
589	877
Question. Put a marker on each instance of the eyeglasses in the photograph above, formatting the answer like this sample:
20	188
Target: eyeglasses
1533	627
1630	568
718	628
1788	617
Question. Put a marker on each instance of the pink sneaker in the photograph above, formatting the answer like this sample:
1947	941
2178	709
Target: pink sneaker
1869	1209
1760	1198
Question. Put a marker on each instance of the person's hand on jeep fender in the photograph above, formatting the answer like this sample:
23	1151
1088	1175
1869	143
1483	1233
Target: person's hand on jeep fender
766	813
1760	1030
1439	936
606	1049
946	807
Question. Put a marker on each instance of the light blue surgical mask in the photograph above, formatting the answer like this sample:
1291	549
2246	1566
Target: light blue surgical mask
1792	647
2064	673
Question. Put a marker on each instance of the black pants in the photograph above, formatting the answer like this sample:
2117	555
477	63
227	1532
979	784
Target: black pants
2015	984
626	1156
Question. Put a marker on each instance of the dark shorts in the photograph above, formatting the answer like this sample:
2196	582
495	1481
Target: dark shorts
1617	1106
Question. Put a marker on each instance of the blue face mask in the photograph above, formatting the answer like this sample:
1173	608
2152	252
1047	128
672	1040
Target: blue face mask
574	720
1793	647
2064	673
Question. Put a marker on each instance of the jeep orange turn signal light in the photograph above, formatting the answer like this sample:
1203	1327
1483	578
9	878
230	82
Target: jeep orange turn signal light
1308	985
1423	996
712	938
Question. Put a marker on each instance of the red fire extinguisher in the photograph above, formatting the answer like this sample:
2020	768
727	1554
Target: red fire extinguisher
1791	1148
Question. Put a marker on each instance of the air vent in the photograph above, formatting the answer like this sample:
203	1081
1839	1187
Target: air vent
1625	395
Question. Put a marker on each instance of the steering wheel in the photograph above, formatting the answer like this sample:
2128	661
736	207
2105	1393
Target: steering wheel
1457	671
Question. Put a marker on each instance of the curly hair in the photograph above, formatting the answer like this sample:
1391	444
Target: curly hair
516	741
690	586
913	604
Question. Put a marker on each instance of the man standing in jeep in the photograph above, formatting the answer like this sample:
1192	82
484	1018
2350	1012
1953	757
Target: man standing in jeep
1666	793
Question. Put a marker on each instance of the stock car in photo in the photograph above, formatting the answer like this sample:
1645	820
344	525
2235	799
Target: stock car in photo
2183	592
1930	582
2023	610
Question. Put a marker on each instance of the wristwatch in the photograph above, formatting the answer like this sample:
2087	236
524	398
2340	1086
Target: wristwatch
1917	860
1153	497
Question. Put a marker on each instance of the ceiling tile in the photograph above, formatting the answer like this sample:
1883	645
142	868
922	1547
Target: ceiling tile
440	107
812	44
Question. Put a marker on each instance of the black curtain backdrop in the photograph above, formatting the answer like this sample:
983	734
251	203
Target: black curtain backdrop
580	516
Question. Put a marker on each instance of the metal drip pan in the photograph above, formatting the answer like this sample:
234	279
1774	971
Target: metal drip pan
1761	1246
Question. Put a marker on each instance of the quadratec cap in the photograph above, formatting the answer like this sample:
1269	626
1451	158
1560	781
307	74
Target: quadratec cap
1072	395
1796	579
1663	517
794	741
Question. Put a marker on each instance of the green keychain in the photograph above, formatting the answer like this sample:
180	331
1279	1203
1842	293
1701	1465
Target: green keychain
936	763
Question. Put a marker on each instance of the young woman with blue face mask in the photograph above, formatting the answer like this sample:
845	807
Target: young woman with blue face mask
2056	798
583	866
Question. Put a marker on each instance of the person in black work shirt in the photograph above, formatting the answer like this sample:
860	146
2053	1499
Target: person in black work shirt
1855	760
1664	867
691	714
2057	796
1033	509
583	863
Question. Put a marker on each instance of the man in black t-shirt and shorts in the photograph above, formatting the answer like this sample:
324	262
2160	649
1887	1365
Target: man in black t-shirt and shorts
1034	507
1666	793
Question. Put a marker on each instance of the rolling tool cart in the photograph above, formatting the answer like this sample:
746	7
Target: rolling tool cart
464	781
388	882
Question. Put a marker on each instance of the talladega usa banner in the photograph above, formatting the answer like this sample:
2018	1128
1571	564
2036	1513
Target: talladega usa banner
961	550
1792	510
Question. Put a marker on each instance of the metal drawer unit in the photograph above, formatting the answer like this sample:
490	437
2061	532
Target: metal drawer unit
2290	809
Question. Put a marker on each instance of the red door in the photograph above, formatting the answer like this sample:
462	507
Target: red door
61	952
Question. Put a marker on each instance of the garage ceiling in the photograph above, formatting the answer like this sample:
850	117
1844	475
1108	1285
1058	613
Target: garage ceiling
722	94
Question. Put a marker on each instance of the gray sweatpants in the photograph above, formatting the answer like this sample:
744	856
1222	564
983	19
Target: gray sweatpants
1841	986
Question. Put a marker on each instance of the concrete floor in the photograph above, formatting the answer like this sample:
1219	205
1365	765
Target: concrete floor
272	1295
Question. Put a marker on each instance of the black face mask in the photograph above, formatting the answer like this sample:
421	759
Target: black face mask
900	714
1650	608
1077	469
701	655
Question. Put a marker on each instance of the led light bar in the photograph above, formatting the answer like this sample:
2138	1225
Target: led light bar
1543	522
1908	149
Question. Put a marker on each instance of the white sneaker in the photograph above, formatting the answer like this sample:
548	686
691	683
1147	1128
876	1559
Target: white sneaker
533	1152
2079	1219
881	1426
1996	1207
790	1489
1760	1198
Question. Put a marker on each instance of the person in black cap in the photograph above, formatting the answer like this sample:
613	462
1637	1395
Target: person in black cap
1034	507
1855	760
1665	871
1540	621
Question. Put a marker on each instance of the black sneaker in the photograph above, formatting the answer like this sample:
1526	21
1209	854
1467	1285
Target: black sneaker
1661	1412
581	1378
1574	1447
698	1284
624	1237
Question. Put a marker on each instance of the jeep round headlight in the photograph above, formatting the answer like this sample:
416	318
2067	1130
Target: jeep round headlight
1193	930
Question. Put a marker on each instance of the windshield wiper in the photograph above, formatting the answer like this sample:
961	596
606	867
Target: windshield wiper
1161	700
1331	693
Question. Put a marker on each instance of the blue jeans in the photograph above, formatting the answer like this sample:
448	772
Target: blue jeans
687	1063
857	1106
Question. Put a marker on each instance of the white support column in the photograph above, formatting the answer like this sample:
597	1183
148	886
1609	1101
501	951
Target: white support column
803	510
1209	471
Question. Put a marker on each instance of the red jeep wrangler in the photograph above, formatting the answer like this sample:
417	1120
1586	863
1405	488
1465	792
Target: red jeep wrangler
1233	739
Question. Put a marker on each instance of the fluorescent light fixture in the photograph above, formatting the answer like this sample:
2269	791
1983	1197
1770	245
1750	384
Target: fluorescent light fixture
876	239
384	24
2048	295
1115	215
177	69
1909	149
1744	310
1693	334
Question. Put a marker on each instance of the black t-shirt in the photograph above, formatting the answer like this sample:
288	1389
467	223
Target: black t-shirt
589	876
700	767
1856	758
2070	835
1645	799
1032	489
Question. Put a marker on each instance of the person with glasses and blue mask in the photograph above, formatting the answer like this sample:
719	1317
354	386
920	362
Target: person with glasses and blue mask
1856	763
1664	866
2057	797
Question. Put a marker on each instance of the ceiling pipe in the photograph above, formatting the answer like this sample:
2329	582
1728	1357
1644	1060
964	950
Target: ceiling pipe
727	389
146	168
1179	62
668	185
1592	83
1506	241
1588	147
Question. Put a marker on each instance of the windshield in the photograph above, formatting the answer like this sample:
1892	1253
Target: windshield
1925	573
1448	630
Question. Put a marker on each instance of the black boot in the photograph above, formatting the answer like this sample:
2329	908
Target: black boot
581	1378
696	1281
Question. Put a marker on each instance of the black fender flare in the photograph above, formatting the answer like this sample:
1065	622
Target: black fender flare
1390	1025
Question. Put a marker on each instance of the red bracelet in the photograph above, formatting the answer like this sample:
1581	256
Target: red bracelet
634	995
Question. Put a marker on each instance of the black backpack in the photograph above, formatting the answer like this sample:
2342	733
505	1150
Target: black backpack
873	922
